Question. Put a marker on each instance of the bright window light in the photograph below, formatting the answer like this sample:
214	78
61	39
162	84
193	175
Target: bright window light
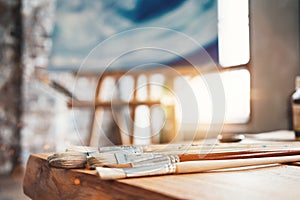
236	85
237	94
233	32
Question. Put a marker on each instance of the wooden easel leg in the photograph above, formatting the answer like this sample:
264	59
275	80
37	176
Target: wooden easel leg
96	124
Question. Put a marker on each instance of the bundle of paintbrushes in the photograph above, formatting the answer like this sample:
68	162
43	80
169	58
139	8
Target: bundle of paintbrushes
158	155
163	160
189	167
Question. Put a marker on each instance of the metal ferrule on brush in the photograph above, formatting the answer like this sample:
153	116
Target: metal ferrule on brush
124	149
150	170
159	160
156	166
122	157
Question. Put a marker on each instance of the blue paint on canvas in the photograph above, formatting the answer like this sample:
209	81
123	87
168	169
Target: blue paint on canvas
183	27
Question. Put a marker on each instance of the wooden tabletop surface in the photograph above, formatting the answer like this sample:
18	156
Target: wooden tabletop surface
264	182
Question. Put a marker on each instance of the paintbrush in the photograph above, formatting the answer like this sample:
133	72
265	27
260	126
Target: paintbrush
200	151
68	160
189	167
200	147
75	157
86	158
125	160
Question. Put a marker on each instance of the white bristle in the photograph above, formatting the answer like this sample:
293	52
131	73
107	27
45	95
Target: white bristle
67	160
101	159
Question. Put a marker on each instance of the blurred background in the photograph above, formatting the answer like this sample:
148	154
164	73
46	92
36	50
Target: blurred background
252	45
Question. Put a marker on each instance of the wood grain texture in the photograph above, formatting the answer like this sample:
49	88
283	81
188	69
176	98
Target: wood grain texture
276	182
43	182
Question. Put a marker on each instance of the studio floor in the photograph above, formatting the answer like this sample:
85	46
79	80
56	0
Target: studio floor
11	187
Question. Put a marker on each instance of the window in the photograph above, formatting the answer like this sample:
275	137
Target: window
234	54
233	31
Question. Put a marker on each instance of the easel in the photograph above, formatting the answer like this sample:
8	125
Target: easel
99	104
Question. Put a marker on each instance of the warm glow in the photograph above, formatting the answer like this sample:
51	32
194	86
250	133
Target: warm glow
76	181
46	146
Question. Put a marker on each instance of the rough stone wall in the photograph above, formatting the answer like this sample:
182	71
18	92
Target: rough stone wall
49	125
34	117
10	84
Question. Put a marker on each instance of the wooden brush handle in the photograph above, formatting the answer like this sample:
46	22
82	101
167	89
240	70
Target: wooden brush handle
221	147
189	167
207	165
237	155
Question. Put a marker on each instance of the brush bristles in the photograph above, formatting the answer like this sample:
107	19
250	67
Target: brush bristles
105	160
100	159
68	160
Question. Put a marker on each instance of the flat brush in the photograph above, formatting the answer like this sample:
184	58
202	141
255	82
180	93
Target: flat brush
189	167
68	160
75	157
124	160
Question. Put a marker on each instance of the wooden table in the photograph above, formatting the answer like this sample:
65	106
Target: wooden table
264	182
